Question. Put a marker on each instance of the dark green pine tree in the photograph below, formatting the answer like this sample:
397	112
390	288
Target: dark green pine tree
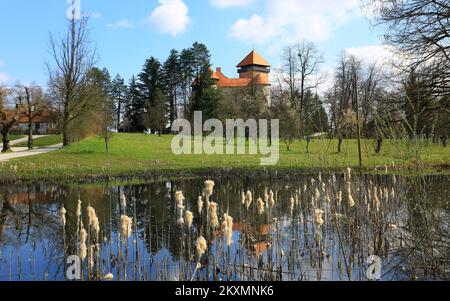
118	95
206	97
150	81
187	76
133	107
171	81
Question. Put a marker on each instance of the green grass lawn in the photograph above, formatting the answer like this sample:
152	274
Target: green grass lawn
43	141
133	154
15	137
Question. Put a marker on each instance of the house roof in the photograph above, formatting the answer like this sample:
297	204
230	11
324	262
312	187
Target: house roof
45	117
225	82
253	58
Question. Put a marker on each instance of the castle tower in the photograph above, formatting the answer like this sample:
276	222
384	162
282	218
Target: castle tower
254	66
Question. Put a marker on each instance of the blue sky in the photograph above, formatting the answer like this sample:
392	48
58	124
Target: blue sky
125	33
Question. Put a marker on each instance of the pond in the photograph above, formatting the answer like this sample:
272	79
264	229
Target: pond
299	228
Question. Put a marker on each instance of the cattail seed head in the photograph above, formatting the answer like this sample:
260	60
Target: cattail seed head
249	199
318	214
271	199
78	210
213	219
62	214
123	201
260	206
209	188
125	226
189	218
201	247
243	198
200	204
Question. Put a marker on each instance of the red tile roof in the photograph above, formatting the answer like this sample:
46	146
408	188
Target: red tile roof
254	58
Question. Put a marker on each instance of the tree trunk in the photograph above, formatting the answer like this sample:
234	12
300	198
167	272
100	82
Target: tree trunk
30	135
6	147
378	146
66	140
340	144
444	140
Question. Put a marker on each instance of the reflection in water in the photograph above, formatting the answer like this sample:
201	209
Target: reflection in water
306	228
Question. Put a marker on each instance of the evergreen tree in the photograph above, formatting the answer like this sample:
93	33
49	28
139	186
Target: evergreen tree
206	97
150	81
171	81
133	107
118	95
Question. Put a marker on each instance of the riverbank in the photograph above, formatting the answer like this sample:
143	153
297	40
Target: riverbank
137	155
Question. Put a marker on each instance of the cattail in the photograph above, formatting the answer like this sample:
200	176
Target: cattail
126	223
83	248
180	220
249	199
62	214
260	206
201	247
91	257
394	178
393	226
318	213
200	205
376	200
392	193
78	210
179	198
339	198
108	277
348	174
324	186
213	219
123	201
209	188
93	220
292	204
229	233
317	195
386	194
243	198
266	199
271	199
351	201
189	218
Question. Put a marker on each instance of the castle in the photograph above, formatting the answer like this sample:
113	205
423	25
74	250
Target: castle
253	72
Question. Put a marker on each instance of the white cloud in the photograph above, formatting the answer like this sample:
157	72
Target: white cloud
382	55
4	78
231	3
2	63
94	15
125	23
170	17
293	20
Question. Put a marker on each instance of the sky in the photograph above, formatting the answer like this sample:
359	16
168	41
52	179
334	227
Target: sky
126	33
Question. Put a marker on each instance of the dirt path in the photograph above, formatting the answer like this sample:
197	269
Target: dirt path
20	152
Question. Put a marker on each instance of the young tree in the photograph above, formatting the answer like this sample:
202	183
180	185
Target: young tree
73	58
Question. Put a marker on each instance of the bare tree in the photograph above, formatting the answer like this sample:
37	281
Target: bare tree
421	29
309	61
31	104
8	118
73	58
